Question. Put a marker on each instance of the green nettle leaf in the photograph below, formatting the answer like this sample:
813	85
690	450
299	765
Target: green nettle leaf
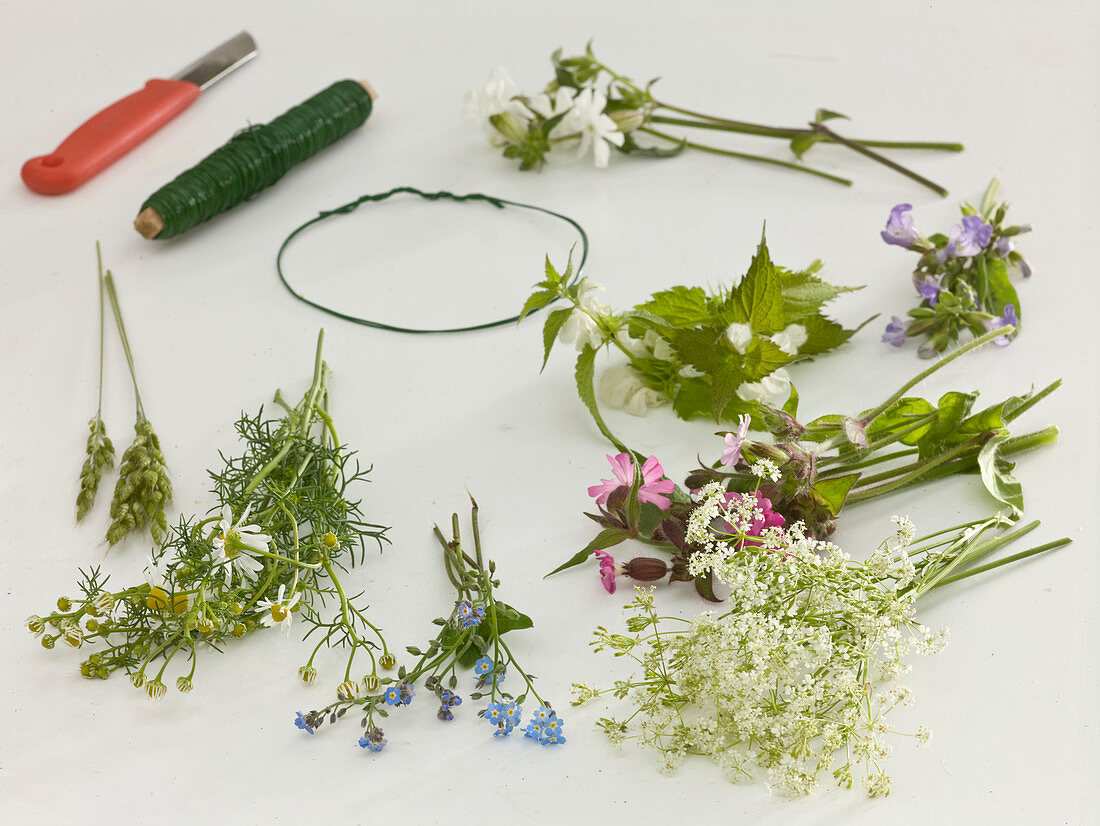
704	349
762	358
804	293
693	399
537	301
585	373
834	491
550	330
606	538
823	334
997	475
680	306
760	294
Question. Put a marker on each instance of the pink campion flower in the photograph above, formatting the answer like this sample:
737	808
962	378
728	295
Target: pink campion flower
732	453
767	519
653	485
608	570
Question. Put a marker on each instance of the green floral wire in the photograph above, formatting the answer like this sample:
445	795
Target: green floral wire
500	203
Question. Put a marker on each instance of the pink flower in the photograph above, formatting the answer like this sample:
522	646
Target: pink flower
652	483
768	519
607	570
734	441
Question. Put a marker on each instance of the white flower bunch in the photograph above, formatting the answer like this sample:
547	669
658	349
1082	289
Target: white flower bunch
795	678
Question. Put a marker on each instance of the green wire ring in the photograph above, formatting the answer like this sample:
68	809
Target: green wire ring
500	203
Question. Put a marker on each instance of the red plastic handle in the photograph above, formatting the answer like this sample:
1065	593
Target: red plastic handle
107	136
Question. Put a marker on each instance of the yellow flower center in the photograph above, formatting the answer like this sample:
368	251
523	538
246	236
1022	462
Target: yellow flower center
329	540
157	599
278	613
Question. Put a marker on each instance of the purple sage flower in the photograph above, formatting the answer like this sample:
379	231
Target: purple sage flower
929	288
1005	246
970	237
896	332
1009	318
899	228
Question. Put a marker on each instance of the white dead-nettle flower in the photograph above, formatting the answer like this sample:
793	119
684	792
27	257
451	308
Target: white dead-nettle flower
622	388
790	339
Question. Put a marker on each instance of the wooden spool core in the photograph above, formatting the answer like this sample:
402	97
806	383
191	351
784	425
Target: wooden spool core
149	222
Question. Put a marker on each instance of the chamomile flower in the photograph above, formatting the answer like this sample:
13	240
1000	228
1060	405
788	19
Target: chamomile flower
235	543
279	611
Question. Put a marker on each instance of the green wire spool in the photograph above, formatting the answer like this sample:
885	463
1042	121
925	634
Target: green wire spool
254	159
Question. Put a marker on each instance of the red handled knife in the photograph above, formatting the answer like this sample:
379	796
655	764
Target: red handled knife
107	136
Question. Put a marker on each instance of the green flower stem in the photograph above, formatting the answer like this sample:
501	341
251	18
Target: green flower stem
916	471
102	325
109	283
343	606
1058	543
746	156
788	133
822	129
971	554
875	460
868	418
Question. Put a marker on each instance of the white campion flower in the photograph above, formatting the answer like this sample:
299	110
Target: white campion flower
790	339
596	130
739	335
496	97
622	388
550	107
773	390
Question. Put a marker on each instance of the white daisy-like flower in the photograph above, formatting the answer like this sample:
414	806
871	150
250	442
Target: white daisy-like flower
597	131
790	339
234	543
773	389
739	335
279	612
550	107
156	570
496	97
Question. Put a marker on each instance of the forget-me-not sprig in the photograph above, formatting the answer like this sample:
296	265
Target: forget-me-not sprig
300	722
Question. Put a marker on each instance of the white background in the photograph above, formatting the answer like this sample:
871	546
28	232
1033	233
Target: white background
1012	699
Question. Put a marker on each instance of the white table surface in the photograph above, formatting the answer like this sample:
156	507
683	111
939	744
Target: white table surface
1011	701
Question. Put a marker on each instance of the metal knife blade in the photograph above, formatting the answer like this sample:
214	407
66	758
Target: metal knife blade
216	64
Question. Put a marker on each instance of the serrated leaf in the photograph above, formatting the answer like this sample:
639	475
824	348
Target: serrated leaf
679	306
550	330
760	294
822	334
762	358
585	376
705	349
605	539
536	301
693	399
997	476
804	293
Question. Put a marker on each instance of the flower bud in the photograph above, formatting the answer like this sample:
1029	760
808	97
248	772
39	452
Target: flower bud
627	119
104	601
86	670
204	626
73	636
137	679
184	685
509	127
155	690
48	641
64	604
35	624
238	630
347	690
645	569
370	683
329	540
102	673
387	660
307	674
92	625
